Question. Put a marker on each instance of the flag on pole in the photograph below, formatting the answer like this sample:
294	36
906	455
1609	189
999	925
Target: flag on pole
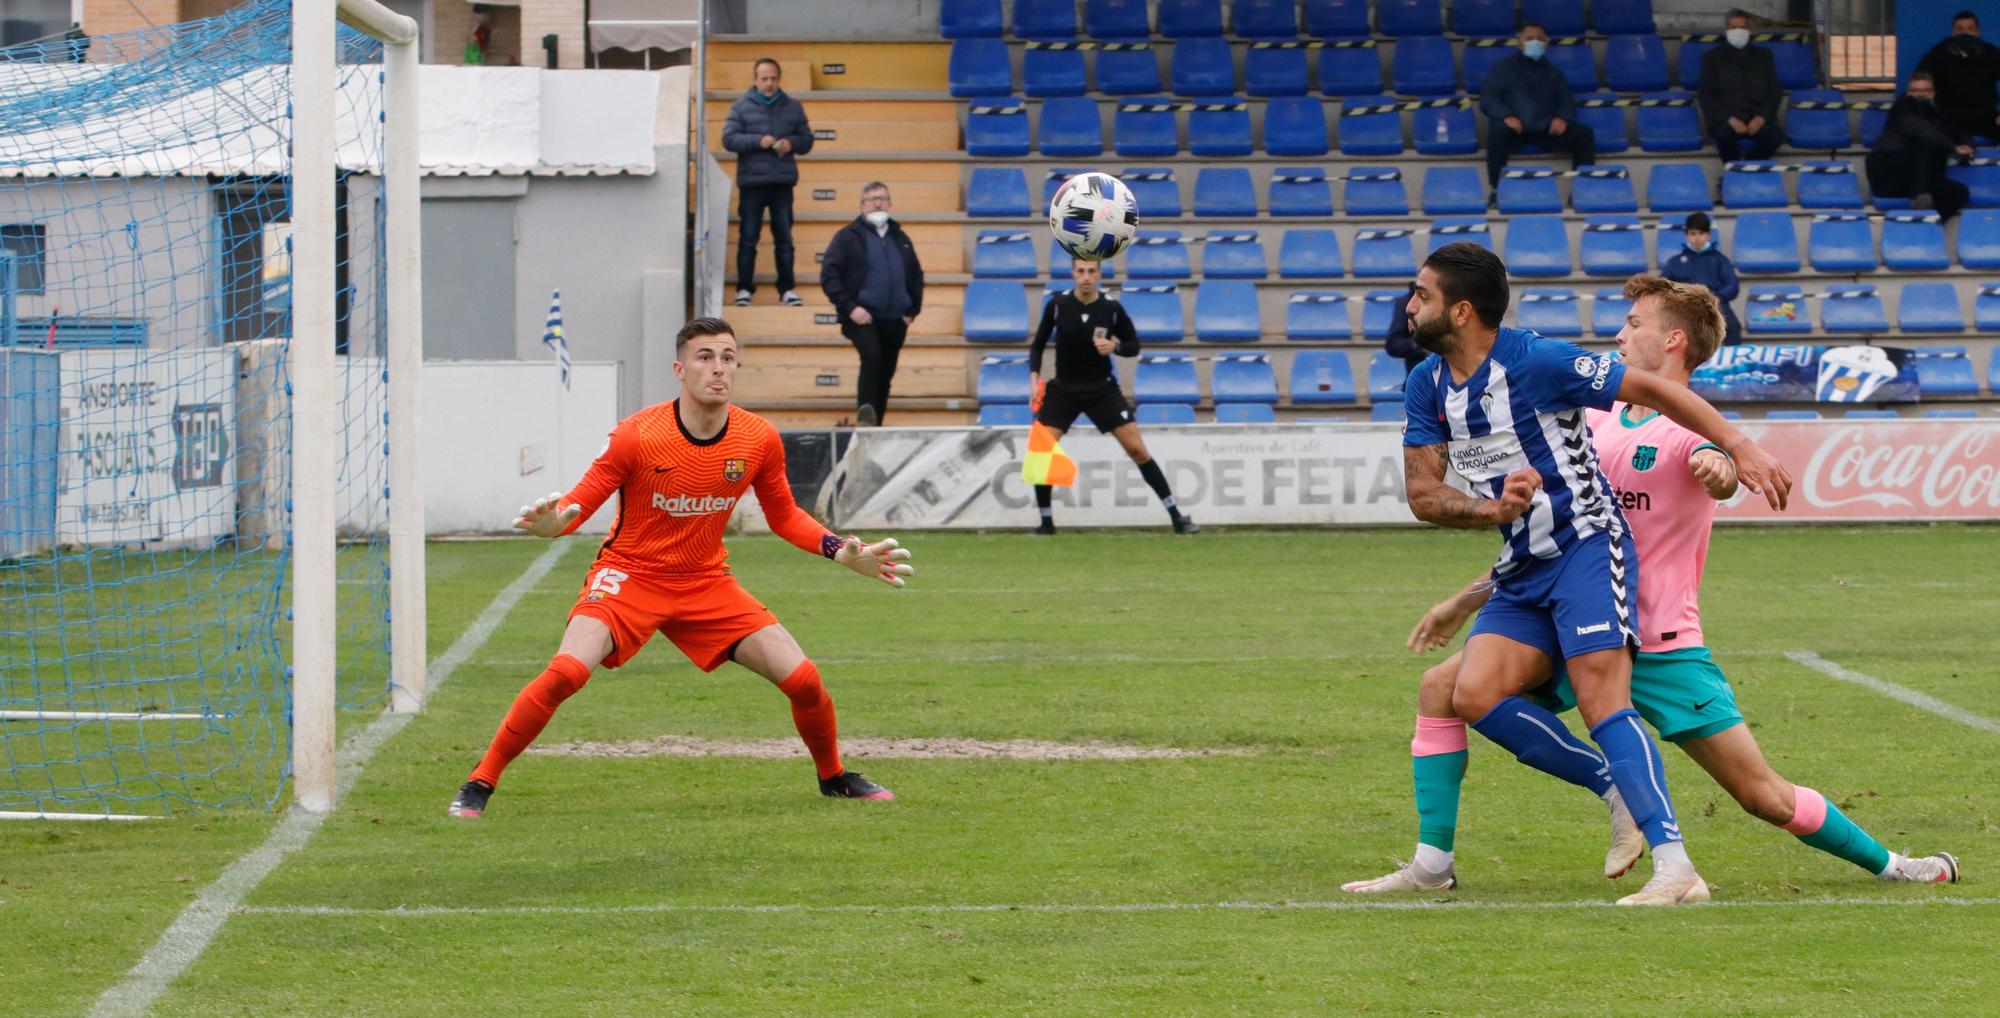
552	337
1046	463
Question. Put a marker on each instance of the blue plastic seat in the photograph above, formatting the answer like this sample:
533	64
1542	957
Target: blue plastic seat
1829	185
978	67
1158	414
1337	19
1350	69
1480	56
1793	415
1453	190
997	128
1872	415
1599	112
1143	125
1069	127
1131	69
1003	254
1384	253
1050	71
1317	315
1979	239
1155	191
1986	310
1777	310
1370	126
1525	189
1853	310
1053	180
997	191
1797	66
1537	246
1612	246
1622	17
1117	19
1264	19
1158	254
1945	371
1410	17
1483	19
1295	126
1687	65
1914	242
1379	308
1375	191
1669	122
1321	377
1635	63
1225	191
1003	378
1560	17
1929	307
1608	308
1186	19
1550	312
1817	118
1603	189
1456	229
1006	415
1166	378
1678	187
1959	413
1225	311
995	311
1748	185
969	19
1045	19
1386	412
1766	242
1156	312
1309	254
1300	191
1242	378
1245	413
1219	129
1203	67
1386	375
1577	61
1445	127
1982	181
1273	68
1669	238
1423	65
1874	117
1233	254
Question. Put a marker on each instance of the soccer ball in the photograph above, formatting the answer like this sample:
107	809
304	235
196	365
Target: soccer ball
1093	216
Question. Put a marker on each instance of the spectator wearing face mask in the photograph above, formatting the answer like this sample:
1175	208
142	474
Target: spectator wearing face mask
1700	262
1527	101
1909	159
872	277
1739	94
1966	68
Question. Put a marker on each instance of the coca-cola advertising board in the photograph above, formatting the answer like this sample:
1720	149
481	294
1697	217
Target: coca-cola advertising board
1880	470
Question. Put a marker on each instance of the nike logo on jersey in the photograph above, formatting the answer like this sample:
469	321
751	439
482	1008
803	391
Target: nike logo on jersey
1702	706
661	470
1601	627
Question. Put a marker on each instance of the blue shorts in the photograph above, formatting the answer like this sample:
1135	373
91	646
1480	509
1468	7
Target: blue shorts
1570	606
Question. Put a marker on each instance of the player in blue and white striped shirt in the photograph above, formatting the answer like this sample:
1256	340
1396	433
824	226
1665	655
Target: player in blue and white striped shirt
1504	408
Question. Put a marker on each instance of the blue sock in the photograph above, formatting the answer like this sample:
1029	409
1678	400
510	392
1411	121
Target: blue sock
1540	740
1642	781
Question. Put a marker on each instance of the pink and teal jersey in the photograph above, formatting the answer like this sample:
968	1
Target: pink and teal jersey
1645	457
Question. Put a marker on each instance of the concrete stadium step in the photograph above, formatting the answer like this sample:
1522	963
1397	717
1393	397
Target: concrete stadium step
940	246
842	128
800	370
832	184
825	66
942	314
814	414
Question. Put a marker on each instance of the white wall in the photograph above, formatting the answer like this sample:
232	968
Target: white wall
498	434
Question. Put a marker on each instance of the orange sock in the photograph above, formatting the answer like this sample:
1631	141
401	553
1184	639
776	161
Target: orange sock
530	714
812	712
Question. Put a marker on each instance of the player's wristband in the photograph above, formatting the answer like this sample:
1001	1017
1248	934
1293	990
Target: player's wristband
829	545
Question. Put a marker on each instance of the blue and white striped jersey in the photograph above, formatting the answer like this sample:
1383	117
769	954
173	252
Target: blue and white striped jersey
1522	407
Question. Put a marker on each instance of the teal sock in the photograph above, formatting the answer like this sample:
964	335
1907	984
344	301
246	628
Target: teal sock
1819	823
1437	781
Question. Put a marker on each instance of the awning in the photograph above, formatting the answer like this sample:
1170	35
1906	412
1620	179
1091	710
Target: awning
644	24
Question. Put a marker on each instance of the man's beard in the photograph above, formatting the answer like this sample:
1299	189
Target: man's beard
1433	335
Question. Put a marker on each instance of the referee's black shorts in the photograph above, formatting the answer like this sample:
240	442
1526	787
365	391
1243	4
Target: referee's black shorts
1103	403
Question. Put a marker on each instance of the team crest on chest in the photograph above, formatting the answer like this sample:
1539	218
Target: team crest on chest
1644	457
733	470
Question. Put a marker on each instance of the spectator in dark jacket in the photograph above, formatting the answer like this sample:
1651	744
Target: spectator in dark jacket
1700	262
872	276
767	130
1966	68
1527	101
1739	94
1909	159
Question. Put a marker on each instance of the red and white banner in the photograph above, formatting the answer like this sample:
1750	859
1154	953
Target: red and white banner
1913	470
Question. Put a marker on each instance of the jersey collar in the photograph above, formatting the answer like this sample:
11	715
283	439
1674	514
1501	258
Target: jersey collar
711	440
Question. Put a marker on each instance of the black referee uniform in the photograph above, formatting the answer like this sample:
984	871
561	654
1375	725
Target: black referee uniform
1083	384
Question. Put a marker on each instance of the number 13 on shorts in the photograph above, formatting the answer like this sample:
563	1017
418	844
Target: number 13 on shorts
607	581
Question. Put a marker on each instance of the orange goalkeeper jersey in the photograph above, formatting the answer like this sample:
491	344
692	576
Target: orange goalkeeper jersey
675	492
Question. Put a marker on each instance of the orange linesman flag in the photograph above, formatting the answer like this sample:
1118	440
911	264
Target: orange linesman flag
1046	463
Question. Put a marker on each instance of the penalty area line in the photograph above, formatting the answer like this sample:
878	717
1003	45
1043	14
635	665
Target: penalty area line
1909	696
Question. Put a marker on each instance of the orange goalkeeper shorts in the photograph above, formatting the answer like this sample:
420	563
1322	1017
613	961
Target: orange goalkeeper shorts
705	616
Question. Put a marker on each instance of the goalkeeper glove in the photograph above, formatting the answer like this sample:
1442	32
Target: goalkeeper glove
885	559
545	519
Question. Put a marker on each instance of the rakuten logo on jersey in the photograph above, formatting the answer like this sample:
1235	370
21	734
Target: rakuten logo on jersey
693	505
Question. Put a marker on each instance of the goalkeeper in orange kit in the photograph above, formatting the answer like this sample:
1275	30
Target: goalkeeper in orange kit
679	468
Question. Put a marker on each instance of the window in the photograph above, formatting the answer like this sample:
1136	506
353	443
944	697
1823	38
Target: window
255	298
28	243
27	20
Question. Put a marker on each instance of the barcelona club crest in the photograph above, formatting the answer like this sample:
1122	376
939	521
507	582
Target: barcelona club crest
1644	457
733	470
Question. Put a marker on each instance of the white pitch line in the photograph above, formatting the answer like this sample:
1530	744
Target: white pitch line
1915	699
197	925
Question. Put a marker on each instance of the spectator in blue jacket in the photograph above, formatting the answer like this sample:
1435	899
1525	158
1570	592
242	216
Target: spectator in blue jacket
1699	262
767	130
1527	101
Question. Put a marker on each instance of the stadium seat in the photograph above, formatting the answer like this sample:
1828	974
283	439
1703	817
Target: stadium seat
1300	191
1622	17
1766	242
1166	378
1158	254
1317	315
1678	187
1337	19
1423	65
1612	246
1295	126
1045	19
1069	127
1006	415
969	19
1872	415
1410	17
1687	64
1537	246
1560	17
1577	61
1225	191
1929	307
1308	254
1635	63
1669	238
1219	129
1452	229
1060	263
1272	68
1264	19
1047	71
1793	415
997	191
1453	190
1379	308
1052	181
1853	310
1525	189
1986	311
1384	252
1375	192
1748	185
1603	189
1387	412
1483	19
1889	204
1003	254
1155	191
1669	122
1117	19
1945	371
1480	56
1003	378
1793	53
1600	112
1778	310
1245	413
1186	19
1914	242
1874	117
1321	377
1225	311
1233	254
1550	312
1143	125
1983	180
1242	378
1370	126
1829	185
1385	377
1840	242
1156	414
1732	415
1134	71
1817	118
997	128
1156	312
1608	308
1203	68
1445	127
978	67
1979	239
1350	70
995	311
1954	413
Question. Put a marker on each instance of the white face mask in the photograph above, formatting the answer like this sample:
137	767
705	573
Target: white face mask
1737	37
877	218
